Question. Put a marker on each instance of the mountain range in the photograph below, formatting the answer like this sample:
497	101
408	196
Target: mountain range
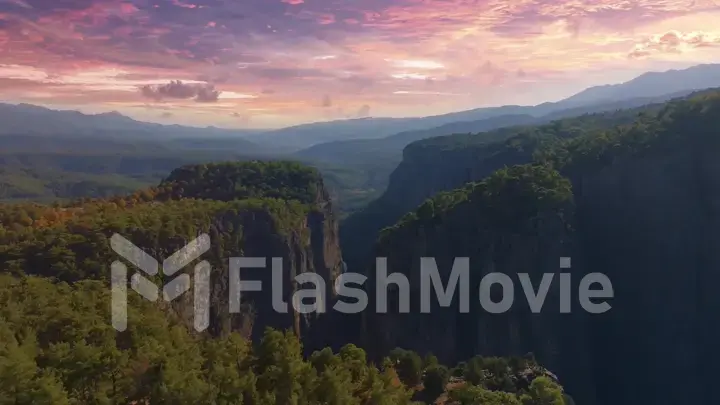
651	85
47	129
356	151
394	133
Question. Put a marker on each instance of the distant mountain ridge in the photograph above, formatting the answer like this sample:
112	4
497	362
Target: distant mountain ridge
390	147
648	85
363	150
25	119
652	84
33	119
303	136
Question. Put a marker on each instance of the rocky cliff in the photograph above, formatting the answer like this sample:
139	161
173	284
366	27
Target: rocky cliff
305	239
643	210
443	163
650	223
518	221
268	210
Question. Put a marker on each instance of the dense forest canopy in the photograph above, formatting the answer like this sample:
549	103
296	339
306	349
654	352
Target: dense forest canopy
284	180
46	175
69	241
58	346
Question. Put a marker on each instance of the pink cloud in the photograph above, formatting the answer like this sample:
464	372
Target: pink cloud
674	42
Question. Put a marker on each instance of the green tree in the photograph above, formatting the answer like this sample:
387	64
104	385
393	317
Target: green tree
323	359
354	360
228	371
543	391
474	372
21	381
430	361
282	373
335	387
459	369
434	381
409	366
474	395
380	388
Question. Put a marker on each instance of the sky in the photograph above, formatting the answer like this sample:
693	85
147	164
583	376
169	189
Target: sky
275	63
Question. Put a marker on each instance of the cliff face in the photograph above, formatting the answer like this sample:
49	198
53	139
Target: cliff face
652	224
422	173
305	239
495	237
447	162
644	210
266	210
305	243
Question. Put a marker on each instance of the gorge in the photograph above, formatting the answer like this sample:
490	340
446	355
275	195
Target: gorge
631	194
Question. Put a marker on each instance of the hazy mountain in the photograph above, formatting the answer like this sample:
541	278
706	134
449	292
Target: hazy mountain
390	148
306	135
32	119
652	84
301	136
648	85
28	119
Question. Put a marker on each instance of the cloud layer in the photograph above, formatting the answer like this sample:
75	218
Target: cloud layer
674	42
281	62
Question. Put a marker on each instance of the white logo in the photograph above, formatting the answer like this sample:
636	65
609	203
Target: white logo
171	290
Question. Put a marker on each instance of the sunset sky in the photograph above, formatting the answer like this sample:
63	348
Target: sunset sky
272	63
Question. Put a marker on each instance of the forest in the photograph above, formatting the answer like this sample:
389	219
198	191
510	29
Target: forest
59	348
602	188
41	168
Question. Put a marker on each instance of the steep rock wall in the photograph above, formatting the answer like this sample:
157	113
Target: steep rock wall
645	212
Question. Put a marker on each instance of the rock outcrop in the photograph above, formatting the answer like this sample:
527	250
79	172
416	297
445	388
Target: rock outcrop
304	239
268	210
